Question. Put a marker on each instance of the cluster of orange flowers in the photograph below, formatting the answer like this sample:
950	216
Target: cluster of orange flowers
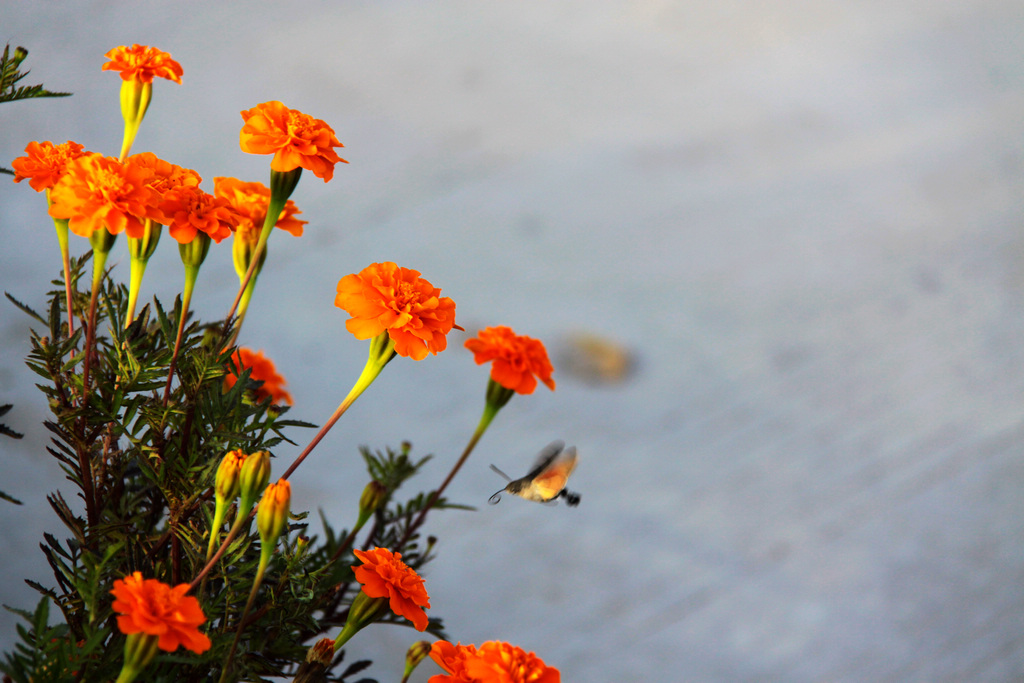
492	662
93	192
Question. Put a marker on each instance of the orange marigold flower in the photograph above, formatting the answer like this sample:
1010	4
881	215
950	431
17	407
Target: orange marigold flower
295	139
384	575
142	63
44	163
519	361
250	201
263	370
152	607
188	211
165	175
493	662
384	297
99	192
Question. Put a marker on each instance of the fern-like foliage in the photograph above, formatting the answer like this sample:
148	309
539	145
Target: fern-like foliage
142	471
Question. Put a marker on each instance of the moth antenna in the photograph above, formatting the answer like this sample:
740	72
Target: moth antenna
505	476
496	498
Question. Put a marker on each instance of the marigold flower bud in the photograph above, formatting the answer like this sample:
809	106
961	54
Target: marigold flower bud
374	495
225	489
20	54
243	248
322	652
318	658
252	479
272	513
226	483
417	652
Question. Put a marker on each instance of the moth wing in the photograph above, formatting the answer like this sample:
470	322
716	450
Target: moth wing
552	479
545	458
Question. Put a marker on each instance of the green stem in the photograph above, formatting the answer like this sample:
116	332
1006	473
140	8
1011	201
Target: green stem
241	519
490	410
61	225
382	350
191	273
226	667
219	511
276	206
243	307
138	269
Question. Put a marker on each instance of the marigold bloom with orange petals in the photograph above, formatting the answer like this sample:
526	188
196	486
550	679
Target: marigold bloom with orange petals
384	575
263	370
519	361
165	175
142	63
383	297
152	607
44	163
493	662
250	202
99	192
295	139
188	211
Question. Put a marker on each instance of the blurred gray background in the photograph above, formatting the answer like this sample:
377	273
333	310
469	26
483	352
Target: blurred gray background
802	219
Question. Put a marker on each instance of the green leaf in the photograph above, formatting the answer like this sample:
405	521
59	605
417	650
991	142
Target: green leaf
25	308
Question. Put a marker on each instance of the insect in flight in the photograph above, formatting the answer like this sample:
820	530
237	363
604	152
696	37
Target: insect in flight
546	481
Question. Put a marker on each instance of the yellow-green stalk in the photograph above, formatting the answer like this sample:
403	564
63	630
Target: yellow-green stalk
382	350
282	184
496	398
363	612
61	225
252	479
139	651
192	256
140	249
135	99
271	521
225	489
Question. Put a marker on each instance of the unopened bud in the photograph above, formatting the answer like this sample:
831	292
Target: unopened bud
253	479
417	652
374	495
272	513
322	652
318	659
226	484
